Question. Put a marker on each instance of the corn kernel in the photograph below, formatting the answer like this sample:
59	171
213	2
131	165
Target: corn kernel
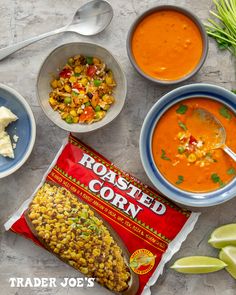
54	84
192	158
52	101
67	88
73	113
78	69
72	79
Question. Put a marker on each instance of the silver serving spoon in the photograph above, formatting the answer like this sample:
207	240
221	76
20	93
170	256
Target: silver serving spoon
90	19
213	130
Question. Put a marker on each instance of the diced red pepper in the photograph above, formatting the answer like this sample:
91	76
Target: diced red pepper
66	73
87	115
78	86
192	140
91	71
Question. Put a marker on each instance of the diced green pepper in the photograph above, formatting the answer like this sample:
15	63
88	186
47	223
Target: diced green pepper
89	60
97	109
69	119
181	149
97	83
70	61
87	104
67	100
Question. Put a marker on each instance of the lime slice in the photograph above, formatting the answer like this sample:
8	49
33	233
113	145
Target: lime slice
223	236
198	264
228	255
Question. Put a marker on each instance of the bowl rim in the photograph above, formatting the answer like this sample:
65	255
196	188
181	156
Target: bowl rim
86	44
186	12
204	199
31	143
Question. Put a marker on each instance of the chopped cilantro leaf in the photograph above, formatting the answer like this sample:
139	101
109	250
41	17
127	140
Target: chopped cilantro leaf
163	156
180	179
225	113
231	171
182	109
182	125
216	179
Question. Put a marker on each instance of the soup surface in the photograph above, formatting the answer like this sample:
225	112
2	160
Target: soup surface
180	147
167	45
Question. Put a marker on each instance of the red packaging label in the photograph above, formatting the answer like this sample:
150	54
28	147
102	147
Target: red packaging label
145	221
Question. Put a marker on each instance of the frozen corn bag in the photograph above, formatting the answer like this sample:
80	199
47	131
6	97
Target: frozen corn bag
103	221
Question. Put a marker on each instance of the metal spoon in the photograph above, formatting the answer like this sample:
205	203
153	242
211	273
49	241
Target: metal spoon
212	131
90	19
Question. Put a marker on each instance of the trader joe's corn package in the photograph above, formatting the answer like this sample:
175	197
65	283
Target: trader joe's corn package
102	221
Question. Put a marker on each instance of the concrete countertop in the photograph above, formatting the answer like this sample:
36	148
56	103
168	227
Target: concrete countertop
117	141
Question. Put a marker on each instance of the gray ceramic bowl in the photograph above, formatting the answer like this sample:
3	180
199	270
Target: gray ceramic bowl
56	60
184	11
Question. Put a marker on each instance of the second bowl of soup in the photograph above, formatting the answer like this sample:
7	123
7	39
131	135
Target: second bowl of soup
175	153
167	44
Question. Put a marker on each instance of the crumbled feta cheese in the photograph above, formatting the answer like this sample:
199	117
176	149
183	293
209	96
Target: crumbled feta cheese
82	106
14	146
6	117
199	144
6	149
15	137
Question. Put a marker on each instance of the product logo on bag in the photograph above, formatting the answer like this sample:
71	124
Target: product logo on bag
109	194
142	261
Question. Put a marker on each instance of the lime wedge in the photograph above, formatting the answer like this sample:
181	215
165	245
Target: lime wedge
228	255
223	236
198	264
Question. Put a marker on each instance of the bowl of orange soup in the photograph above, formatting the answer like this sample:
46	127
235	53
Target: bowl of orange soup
175	153
167	44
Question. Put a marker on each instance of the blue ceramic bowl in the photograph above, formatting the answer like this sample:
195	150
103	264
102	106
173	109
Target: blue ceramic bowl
160	107
24	128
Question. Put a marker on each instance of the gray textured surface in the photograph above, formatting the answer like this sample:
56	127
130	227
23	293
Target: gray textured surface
118	141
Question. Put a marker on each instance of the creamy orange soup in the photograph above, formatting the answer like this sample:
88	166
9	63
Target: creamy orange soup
181	149
167	45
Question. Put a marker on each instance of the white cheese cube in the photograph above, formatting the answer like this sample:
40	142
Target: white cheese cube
6	117
6	149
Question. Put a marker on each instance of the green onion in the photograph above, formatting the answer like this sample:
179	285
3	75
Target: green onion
225	113
182	125
89	60
77	74
87	104
163	156
224	29
182	109
180	179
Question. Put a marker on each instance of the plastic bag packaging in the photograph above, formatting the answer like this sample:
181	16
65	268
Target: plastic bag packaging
102	221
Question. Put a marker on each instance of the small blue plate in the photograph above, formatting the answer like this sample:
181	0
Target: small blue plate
24	128
159	108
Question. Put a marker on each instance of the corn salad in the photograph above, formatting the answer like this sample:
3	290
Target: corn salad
72	231
83	91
